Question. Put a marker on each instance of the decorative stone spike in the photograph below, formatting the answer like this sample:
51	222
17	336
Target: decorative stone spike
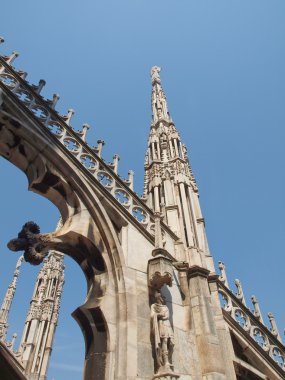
101	143
256	311
239	294
116	160
274	329
55	99
131	179
85	128
2	40
69	115
40	86
8	299
14	336
12	57
22	74
223	275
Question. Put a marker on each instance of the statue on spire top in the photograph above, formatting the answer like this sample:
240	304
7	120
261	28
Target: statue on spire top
155	70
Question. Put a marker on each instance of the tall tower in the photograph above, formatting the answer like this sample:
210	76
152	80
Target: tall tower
171	191
7	302
41	321
170	187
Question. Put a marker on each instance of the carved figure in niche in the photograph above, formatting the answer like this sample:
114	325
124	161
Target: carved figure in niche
162	334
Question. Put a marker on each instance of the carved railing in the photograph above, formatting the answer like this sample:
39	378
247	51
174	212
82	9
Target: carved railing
251	321
74	142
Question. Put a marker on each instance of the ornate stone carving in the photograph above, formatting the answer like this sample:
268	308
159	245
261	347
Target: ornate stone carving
160	271
251	321
155	70
162	335
34	244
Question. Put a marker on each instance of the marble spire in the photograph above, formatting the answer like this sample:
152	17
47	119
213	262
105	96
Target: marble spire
7	302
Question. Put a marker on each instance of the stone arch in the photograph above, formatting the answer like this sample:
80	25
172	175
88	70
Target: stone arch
87	235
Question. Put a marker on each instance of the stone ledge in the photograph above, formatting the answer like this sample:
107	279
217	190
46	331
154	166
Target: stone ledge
166	376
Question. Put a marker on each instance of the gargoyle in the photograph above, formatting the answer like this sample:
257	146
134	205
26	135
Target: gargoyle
34	244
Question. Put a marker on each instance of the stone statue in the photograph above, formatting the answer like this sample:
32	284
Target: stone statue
155	70
162	334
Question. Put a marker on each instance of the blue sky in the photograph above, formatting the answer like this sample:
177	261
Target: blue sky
223	73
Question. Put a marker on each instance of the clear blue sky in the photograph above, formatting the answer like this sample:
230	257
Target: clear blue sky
223	73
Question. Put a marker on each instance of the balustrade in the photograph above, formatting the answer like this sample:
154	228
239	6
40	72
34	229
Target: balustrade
75	143
251	325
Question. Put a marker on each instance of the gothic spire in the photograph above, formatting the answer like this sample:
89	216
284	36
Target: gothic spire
8	299
169	185
37	339
36	344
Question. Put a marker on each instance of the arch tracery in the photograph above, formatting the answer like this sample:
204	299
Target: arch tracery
87	235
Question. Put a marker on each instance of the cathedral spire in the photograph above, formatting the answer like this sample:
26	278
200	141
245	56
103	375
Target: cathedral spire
36	345
38	335
169	186
7	302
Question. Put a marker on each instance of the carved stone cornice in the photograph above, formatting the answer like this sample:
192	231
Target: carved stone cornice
166	376
196	270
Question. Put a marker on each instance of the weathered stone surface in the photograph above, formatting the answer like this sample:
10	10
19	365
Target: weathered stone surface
111	233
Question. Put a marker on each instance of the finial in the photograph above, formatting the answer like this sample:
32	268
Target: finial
274	329
14	336
223	275
85	128
69	115
256	312
55	99
131	179
101	143
2	40
23	74
12	57
8	299
239	294
38	88
19	262
154	72
116	160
